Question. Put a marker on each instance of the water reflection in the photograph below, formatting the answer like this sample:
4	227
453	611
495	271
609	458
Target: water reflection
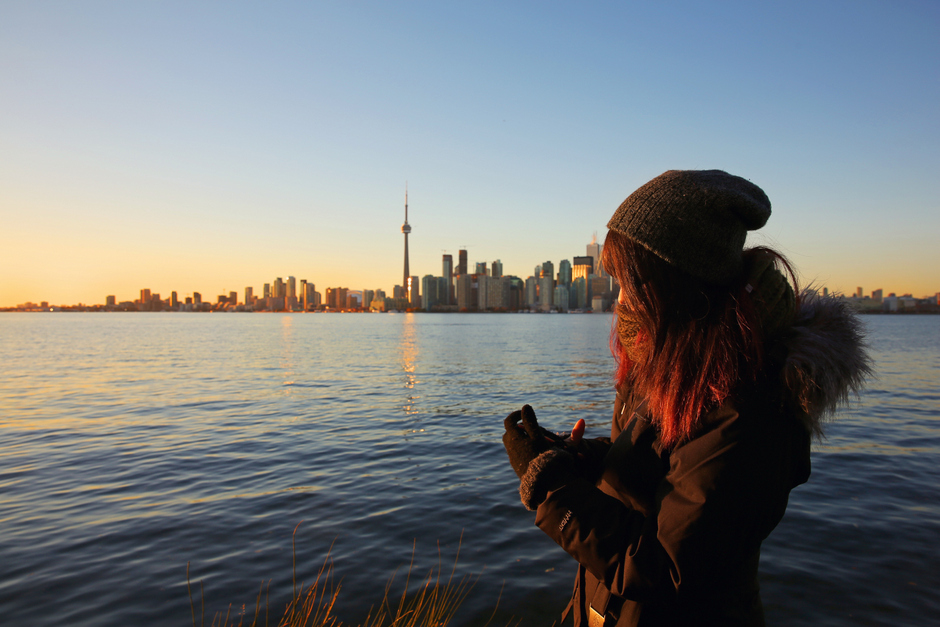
287	351
408	346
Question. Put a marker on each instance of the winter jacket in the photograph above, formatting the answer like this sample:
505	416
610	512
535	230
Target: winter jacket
673	537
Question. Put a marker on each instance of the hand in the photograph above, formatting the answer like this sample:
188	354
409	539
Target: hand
577	432
525	443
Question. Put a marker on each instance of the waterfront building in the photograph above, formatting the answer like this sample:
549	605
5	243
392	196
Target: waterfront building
433	291
310	296
483	283
582	267
462	261
564	273
579	293
414	292
547	286
531	292
561	297
249	296
496	268
466	292
448	275
594	251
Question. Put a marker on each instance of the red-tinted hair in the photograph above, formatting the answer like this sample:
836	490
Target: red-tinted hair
699	342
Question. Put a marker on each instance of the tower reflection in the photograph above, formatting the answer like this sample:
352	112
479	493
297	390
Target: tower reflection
408	346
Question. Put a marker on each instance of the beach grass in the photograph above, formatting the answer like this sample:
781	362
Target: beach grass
434	602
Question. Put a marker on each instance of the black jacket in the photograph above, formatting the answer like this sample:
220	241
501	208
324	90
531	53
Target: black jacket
673	537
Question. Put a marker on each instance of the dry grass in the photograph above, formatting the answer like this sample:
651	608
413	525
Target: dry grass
433	603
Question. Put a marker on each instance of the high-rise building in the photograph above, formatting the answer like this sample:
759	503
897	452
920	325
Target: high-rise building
561	297
531	292
547	286
406	230
174	301
432	293
497	293
197	298
465	292
548	270
564	273
594	250
414	291
462	261
859	293
110	301
291	287
448	276
579	296
280	290
249	296
877	295
481	268
496	269
599	286
583	267
310	296
233	298
266	293
483	282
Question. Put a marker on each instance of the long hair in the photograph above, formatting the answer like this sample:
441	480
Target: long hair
698	343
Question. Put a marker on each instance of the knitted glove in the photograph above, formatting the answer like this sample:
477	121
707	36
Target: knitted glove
525	443
549	471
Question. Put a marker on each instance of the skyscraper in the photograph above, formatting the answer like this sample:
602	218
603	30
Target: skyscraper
462	262
594	250
448	274
406	229
564	273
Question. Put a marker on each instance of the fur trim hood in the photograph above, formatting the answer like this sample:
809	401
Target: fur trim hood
826	358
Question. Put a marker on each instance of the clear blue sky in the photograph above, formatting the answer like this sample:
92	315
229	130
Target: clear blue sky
209	146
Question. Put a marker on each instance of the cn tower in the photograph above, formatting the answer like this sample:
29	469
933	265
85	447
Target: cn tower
406	229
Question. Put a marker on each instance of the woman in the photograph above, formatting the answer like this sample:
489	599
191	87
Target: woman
724	375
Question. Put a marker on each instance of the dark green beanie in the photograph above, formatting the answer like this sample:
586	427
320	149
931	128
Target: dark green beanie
696	220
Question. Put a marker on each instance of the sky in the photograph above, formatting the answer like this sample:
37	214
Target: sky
181	146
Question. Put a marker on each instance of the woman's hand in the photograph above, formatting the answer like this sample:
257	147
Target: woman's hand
527	441
577	432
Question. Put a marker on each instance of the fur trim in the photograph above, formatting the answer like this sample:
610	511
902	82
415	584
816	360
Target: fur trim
827	359
546	472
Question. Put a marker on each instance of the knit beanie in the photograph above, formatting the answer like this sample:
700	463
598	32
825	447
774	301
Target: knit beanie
696	220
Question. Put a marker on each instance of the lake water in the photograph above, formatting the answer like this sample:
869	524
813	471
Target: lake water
133	444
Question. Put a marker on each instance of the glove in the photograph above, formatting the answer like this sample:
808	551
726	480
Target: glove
525	443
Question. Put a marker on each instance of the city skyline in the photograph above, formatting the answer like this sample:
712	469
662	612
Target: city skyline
274	138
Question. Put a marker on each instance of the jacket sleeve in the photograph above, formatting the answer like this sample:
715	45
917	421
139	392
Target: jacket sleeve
703	521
